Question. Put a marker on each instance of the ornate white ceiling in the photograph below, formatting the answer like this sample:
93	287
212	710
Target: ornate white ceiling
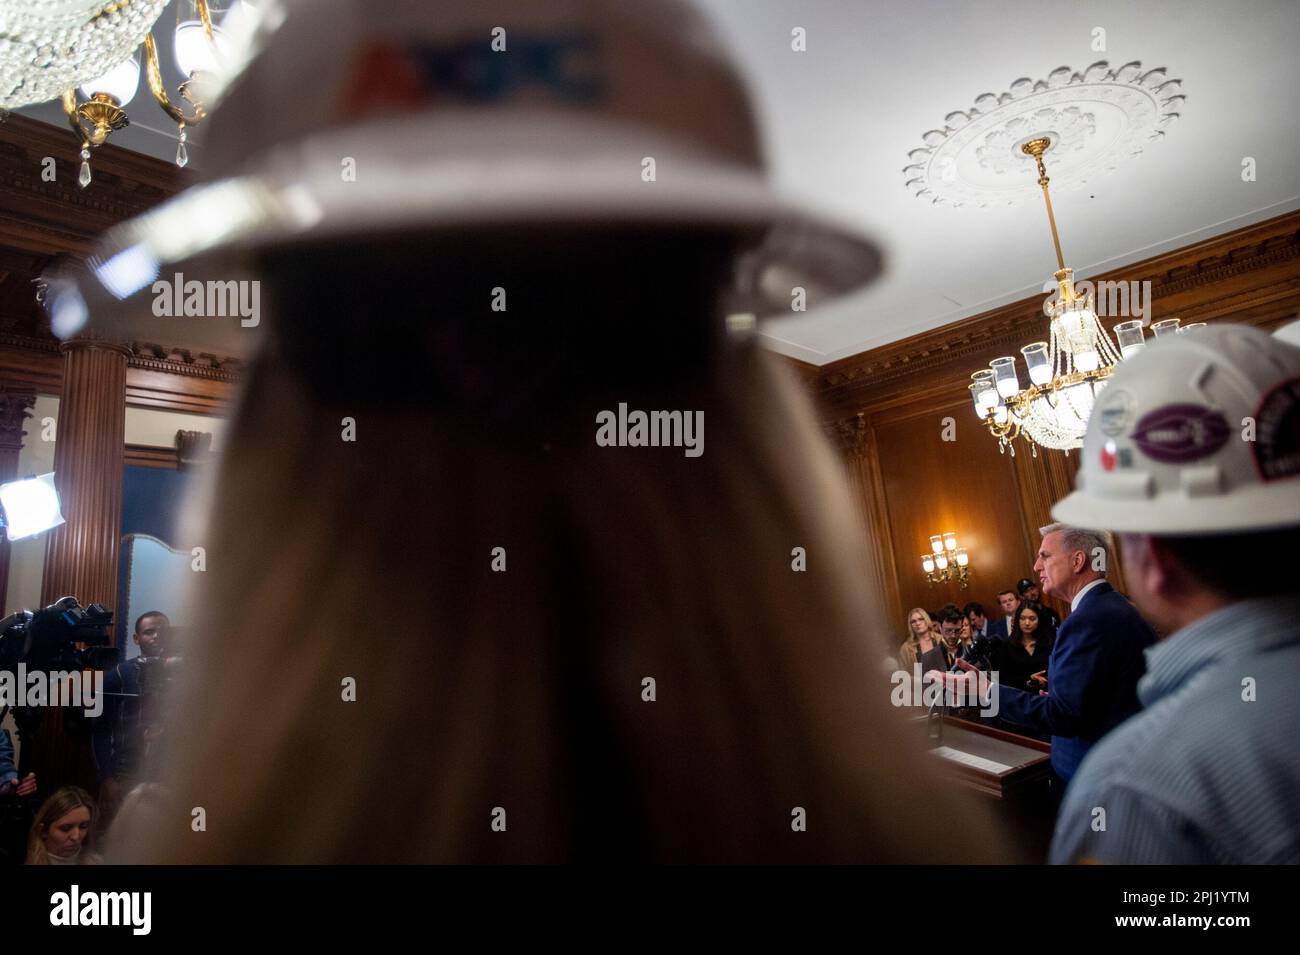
965	82
882	79
1096	119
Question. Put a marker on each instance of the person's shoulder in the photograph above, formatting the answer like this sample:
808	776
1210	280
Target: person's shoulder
1131	743
1191	746
1108	606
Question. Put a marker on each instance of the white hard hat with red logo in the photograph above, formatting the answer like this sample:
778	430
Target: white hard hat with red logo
355	118
1196	434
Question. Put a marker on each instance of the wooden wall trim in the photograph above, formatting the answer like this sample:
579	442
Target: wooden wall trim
1251	274
884	396
144	456
59	216
166	384
39	371
44	223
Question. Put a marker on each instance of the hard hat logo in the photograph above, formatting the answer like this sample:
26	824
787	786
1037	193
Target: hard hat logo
1277	443
1163	455
1114	412
1108	456
564	66
1181	433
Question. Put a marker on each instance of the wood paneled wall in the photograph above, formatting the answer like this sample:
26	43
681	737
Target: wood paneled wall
886	409
45	222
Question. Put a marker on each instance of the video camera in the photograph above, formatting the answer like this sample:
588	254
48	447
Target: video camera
62	636
980	654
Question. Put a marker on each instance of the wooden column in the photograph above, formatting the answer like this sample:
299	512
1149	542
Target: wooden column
857	443
81	556
15	409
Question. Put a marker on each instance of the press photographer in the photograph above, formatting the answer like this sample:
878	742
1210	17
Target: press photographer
47	659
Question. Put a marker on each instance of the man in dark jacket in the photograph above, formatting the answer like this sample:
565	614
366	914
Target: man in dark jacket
951	648
1098	657
121	731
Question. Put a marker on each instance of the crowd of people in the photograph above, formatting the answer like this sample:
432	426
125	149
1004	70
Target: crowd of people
64	827
1021	640
1073	697
560	650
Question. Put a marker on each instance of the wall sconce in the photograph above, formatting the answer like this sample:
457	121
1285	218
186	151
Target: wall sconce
946	562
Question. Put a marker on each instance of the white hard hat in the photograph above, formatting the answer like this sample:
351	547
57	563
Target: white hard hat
356	118
1289	333
1195	434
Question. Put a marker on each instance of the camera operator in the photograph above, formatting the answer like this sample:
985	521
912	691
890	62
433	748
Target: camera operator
128	726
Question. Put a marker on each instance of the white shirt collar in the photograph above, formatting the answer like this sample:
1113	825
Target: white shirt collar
1074	604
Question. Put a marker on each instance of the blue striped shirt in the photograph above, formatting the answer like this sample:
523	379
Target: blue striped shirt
1209	770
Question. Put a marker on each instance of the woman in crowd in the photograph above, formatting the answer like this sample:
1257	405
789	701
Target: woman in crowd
921	638
64	829
1027	651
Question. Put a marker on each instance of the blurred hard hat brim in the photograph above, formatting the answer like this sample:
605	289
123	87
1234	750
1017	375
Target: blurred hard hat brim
341	186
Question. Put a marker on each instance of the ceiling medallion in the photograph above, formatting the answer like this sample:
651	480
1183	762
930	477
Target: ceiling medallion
1100	117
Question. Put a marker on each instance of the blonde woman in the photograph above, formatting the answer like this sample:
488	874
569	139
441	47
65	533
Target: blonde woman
636	673
455	610
920	638
64	828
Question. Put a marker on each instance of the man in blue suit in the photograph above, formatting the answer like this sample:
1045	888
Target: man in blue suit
1098	656
1000	626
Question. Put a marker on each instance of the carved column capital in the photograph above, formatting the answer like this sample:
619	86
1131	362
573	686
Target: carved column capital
193	448
92	340
850	434
15	409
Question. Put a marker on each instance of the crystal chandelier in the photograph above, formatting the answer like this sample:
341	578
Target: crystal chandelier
204	53
49	46
1066	373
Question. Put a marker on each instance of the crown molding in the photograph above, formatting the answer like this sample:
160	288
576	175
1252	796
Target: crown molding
1250	274
52	217
180	361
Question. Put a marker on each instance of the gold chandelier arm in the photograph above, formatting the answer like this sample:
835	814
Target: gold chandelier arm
70	108
205	16
1036	148
154	72
1051	219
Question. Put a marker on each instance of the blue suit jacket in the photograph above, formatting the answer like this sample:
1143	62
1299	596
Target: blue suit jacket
1093	674
997	629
